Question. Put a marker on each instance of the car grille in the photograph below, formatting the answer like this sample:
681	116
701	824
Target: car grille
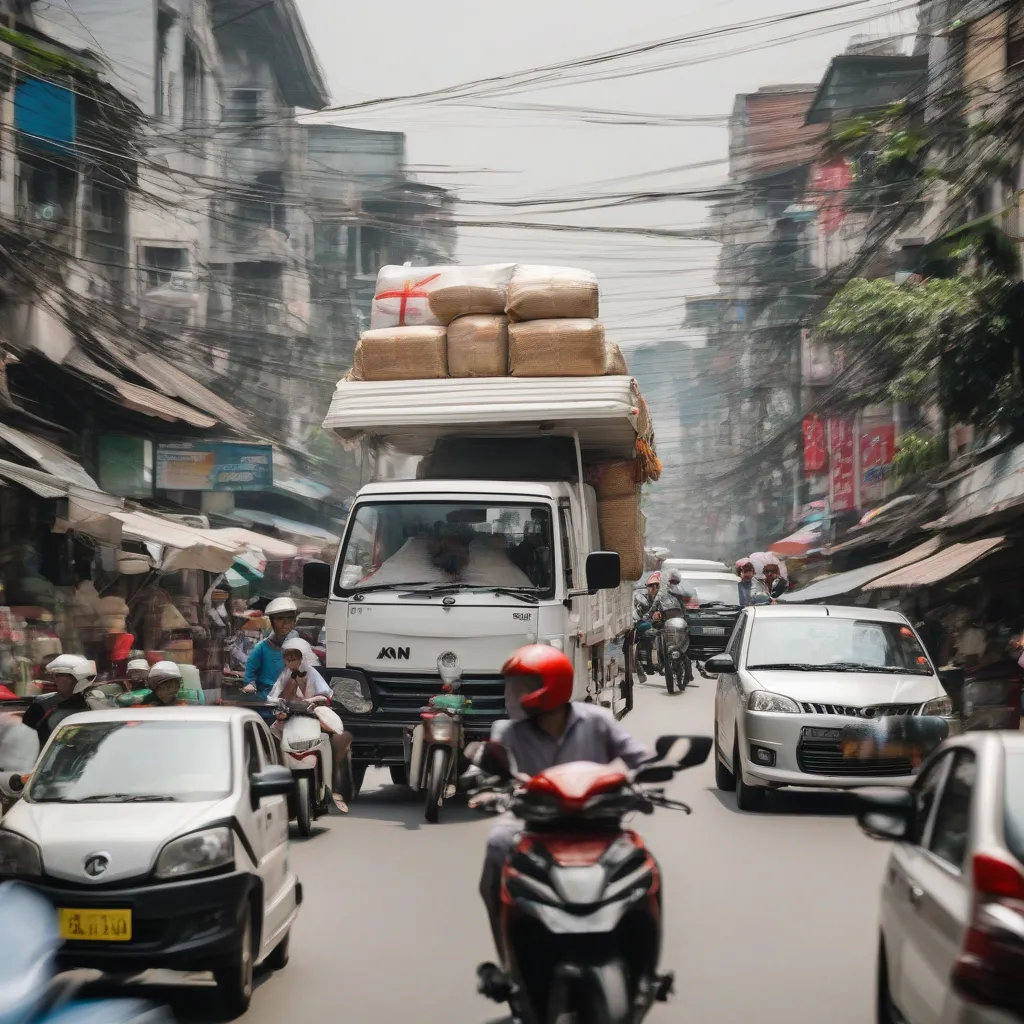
404	695
872	711
824	757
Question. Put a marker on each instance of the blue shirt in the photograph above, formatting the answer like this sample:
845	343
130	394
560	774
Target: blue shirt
265	664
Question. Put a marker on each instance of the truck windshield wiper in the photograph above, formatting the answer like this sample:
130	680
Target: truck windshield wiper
523	594
386	586
719	604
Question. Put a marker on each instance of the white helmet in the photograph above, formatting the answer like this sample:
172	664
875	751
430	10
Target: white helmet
83	670
296	643
138	665
281	606
163	671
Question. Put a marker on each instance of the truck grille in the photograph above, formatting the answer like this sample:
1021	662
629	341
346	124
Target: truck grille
872	711
404	695
824	757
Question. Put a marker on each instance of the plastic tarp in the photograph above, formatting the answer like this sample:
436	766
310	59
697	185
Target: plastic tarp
946	563
847	582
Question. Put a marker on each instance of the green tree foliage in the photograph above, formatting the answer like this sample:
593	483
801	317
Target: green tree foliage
956	340
917	454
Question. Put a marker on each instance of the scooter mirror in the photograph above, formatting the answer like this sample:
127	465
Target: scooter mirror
494	759
683	751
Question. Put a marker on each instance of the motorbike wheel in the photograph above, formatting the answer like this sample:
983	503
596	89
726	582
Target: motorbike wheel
670	678
600	997
437	779
303	806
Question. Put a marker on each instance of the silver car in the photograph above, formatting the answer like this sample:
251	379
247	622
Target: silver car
952	923
794	683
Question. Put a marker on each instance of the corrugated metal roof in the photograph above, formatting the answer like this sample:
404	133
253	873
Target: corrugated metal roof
848	582
53	460
939	567
42	484
141	399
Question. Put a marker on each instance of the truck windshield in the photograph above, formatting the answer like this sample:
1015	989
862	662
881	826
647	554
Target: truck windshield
396	545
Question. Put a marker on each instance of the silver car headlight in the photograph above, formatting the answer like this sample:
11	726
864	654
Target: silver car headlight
349	693
940	707
19	857
764	700
207	850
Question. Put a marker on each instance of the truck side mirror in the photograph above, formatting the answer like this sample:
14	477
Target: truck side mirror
603	570
316	580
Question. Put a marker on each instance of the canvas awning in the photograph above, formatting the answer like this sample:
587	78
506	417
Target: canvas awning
48	457
191	548
939	567
855	579
273	549
288	526
994	486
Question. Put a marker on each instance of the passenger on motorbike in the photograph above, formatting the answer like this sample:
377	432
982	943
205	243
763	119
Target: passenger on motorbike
72	675
547	728
300	681
266	663
164	685
138	674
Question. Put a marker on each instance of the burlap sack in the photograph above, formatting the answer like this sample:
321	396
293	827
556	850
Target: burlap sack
621	524
465	291
549	293
478	346
612	479
556	348
615	361
402	353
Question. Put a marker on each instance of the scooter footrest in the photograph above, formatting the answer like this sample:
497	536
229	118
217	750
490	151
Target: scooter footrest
666	985
493	983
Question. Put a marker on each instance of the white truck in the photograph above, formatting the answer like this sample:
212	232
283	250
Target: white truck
493	545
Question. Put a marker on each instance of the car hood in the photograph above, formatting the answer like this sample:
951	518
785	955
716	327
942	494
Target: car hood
130	835
857	689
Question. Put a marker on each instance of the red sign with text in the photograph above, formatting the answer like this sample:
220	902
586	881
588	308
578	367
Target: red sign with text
829	184
877	447
815	450
842	463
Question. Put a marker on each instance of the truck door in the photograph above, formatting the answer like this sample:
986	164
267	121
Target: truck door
572	573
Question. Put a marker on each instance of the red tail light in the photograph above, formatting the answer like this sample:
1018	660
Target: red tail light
989	969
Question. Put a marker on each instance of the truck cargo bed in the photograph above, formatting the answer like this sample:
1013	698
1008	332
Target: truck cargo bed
410	415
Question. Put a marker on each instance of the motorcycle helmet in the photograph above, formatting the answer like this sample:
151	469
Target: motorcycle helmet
297	643
81	668
654	580
549	668
281	606
162	672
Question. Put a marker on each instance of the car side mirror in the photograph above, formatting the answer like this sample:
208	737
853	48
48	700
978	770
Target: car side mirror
604	570
885	813
316	580
720	665
274	780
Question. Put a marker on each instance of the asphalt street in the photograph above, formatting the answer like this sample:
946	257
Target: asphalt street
769	917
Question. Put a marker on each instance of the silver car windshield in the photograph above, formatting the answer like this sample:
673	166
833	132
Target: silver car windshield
430	544
134	762
835	644
1014	810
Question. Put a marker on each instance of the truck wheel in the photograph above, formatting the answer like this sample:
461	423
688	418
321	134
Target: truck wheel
437	778
399	774
234	975
303	806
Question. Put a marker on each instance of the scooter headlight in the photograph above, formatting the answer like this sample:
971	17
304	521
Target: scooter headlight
351	694
439	729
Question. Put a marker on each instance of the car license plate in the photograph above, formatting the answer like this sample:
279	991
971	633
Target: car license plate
811	733
713	630
96	925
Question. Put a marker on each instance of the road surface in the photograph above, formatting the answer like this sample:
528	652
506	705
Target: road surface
770	918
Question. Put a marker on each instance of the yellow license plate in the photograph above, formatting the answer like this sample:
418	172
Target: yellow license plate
96	925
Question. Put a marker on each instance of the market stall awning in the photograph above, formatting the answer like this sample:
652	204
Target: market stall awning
43	485
288	526
191	548
48	457
996	485
855	579
275	550
939	567
803	541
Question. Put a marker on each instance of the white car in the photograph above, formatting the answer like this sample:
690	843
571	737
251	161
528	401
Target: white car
952	923
795	681
161	837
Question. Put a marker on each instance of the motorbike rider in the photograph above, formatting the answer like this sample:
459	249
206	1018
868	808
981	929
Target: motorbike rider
748	587
164	684
266	662
72	675
774	582
545	728
301	681
643	603
138	673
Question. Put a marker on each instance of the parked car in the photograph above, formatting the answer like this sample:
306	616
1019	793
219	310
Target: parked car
951	949
712	612
161	837
793	685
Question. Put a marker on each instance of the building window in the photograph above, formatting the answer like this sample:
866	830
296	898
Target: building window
194	72
46	192
1015	39
243	106
368	246
158	263
164	23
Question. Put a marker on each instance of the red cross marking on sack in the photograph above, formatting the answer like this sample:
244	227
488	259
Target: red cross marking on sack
409	290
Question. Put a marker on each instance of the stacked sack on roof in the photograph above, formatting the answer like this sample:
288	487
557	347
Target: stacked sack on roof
488	321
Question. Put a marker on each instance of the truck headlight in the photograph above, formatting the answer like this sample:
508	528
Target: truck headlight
764	700
940	707
199	851
19	857
349	693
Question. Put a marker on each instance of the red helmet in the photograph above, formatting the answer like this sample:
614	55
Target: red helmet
552	670
654	580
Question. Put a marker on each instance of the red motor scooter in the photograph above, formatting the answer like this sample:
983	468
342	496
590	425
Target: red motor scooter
580	894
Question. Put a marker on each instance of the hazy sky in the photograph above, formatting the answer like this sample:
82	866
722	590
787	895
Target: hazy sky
402	46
